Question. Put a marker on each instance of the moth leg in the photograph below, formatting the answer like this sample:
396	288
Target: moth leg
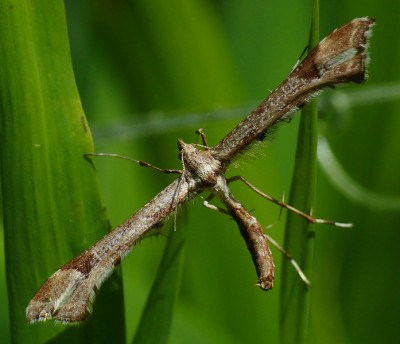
254	237
140	162
290	258
203	137
262	271
308	217
207	204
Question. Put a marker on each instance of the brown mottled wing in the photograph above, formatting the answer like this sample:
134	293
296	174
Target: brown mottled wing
339	58
67	294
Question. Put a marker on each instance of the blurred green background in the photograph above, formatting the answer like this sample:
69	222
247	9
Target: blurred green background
150	72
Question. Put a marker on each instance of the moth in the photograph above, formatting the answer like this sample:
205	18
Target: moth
339	58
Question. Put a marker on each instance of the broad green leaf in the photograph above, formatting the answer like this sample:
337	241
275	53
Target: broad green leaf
51	201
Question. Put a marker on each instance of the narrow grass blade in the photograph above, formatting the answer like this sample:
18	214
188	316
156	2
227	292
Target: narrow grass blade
295	296
155	323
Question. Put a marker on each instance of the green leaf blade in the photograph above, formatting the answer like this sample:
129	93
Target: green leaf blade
52	206
155	322
295	295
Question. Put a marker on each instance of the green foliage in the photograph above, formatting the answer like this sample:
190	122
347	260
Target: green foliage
51	203
153	64
155	323
299	234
